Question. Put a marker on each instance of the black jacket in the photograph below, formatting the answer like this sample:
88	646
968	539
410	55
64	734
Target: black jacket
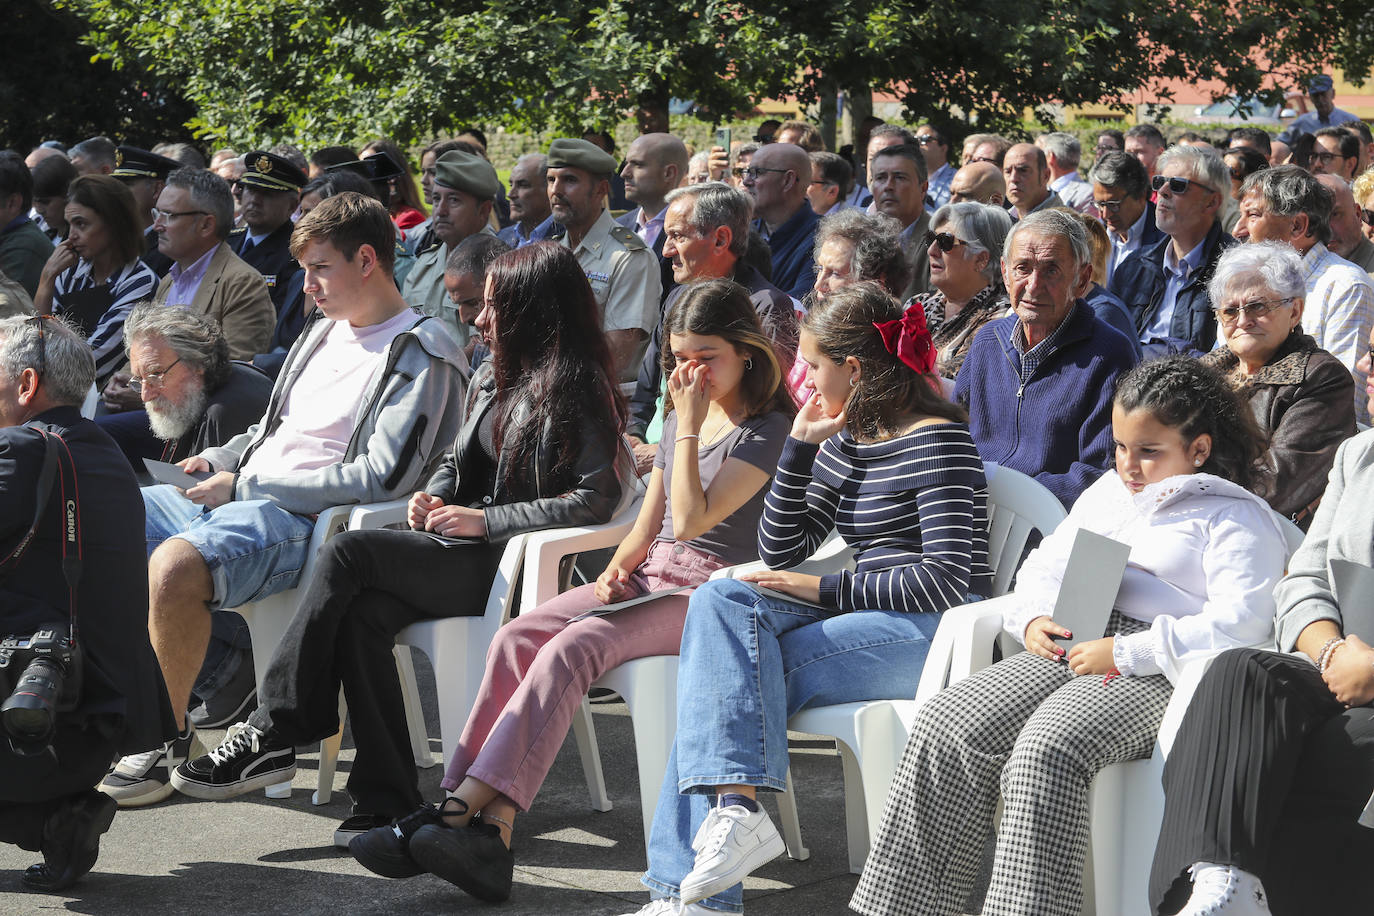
271	258
1193	325
541	497
123	693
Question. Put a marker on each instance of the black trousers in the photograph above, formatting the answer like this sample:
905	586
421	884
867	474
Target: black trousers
32	788
368	586
1270	774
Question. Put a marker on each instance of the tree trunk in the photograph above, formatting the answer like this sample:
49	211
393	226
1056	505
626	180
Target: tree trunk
827	104
860	105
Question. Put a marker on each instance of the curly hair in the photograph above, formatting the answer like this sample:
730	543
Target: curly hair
1183	394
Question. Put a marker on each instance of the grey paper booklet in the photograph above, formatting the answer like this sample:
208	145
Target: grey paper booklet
1087	593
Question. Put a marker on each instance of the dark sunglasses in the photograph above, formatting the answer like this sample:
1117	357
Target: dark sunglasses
1177	185
37	322
1367	217
946	240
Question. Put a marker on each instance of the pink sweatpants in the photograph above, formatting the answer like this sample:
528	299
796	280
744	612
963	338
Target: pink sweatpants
540	666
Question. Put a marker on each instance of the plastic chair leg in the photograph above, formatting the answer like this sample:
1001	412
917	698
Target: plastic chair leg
585	732
329	759
415	714
791	824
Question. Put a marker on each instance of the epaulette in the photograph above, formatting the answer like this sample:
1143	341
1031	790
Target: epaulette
238	232
435	247
557	234
627	238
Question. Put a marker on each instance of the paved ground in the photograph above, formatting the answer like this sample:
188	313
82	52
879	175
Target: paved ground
257	855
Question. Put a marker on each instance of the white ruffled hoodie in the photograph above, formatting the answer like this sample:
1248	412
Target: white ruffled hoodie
1205	557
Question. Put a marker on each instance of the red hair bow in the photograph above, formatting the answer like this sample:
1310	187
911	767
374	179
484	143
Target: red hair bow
908	339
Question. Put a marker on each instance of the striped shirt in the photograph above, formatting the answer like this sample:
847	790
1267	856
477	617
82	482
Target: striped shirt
914	508
133	284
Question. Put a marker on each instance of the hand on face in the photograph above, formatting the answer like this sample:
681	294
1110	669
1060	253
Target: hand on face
690	387
813	425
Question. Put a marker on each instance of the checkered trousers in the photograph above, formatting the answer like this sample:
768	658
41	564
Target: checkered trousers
1028	727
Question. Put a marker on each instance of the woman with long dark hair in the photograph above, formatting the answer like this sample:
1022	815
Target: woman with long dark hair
539	448
728	415
96	275
879	456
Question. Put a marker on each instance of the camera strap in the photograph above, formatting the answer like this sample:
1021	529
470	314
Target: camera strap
58	467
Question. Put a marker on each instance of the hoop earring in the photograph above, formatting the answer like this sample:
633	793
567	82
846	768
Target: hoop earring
853	382
748	363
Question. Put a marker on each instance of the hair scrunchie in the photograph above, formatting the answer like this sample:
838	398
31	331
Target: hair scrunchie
908	339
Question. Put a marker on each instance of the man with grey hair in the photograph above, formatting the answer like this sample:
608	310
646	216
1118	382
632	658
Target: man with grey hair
194	399
1038	383
1288	204
1177	315
529	202
45	371
95	156
1121	199
706	235
1063	152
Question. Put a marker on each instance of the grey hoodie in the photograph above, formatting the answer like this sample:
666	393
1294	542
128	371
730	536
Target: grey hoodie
411	413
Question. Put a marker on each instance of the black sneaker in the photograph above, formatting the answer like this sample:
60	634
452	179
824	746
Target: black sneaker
472	857
240	764
357	825
71	841
144	779
232	702
385	848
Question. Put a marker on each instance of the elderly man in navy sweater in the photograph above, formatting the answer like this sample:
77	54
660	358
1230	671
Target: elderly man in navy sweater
1038	383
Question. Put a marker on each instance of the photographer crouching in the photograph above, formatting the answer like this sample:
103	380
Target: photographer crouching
79	684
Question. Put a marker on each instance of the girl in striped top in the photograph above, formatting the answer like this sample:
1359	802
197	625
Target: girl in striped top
96	276
879	455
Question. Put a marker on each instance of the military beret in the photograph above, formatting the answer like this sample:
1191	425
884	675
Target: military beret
467	172
270	172
132	162
565	152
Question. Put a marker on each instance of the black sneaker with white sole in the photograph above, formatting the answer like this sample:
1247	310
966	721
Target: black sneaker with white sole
145	779
241	764
360	825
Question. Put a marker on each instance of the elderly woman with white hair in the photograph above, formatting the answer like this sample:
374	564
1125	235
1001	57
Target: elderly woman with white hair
1302	396
964	246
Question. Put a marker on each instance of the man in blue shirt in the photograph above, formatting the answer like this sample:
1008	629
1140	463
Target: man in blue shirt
1322	92
777	179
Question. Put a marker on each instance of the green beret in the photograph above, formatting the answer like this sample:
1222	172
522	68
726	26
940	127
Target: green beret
565	153
467	172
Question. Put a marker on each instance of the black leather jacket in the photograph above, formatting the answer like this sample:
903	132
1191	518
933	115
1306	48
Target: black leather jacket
532	500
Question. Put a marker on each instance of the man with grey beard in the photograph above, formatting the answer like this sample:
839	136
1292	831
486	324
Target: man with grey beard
194	398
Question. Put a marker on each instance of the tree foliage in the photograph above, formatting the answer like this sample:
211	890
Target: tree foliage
340	70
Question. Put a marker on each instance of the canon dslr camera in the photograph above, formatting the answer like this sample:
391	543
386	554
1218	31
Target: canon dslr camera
40	676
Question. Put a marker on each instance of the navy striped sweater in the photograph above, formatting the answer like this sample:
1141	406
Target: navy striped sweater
914	508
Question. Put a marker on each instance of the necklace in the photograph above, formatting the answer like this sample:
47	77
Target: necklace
720	432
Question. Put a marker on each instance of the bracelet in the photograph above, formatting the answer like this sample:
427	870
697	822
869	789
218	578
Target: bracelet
687	436
1328	652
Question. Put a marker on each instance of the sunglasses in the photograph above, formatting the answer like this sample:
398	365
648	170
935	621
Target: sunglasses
1256	308
1367	217
1178	185
37	322
946	240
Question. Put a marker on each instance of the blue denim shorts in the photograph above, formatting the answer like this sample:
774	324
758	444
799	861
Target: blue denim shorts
253	548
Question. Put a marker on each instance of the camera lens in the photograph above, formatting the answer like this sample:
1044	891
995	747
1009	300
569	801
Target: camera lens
31	707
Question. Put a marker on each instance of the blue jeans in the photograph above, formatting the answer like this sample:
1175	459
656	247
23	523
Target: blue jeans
748	662
253	548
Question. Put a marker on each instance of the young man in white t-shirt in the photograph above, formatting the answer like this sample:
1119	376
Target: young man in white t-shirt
364	405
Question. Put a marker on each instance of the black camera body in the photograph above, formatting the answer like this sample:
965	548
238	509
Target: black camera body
40	676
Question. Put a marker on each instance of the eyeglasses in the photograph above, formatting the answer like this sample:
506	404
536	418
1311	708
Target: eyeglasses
152	380
1326	157
1108	206
37	321
1108	149
1367	217
167	216
946	240
926	140
753	172
1177	185
1255	308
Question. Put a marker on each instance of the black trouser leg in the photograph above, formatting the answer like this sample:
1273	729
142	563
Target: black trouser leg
32	788
369	585
1233	765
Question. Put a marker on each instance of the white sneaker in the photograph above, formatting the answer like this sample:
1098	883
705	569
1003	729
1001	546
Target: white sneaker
1224	890
738	842
145	779
665	906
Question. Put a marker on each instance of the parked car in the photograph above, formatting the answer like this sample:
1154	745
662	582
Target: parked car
1235	110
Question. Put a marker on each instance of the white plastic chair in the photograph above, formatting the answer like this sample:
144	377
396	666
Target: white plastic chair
871	735
268	619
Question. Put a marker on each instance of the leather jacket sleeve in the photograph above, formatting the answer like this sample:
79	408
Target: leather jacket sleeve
599	480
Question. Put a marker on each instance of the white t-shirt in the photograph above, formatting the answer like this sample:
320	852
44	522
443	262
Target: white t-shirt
321	409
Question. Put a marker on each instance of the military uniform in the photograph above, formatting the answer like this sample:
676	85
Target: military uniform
424	289
133	164
624	275
271	255
424	284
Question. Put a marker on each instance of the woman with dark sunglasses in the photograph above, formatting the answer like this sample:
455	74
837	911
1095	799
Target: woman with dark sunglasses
965	250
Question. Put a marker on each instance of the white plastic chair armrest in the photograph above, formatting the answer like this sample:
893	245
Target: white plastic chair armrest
833	554
544	550
1188	680
962	644
378	515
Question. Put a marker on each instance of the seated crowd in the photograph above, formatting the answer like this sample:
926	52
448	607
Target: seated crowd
774	345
